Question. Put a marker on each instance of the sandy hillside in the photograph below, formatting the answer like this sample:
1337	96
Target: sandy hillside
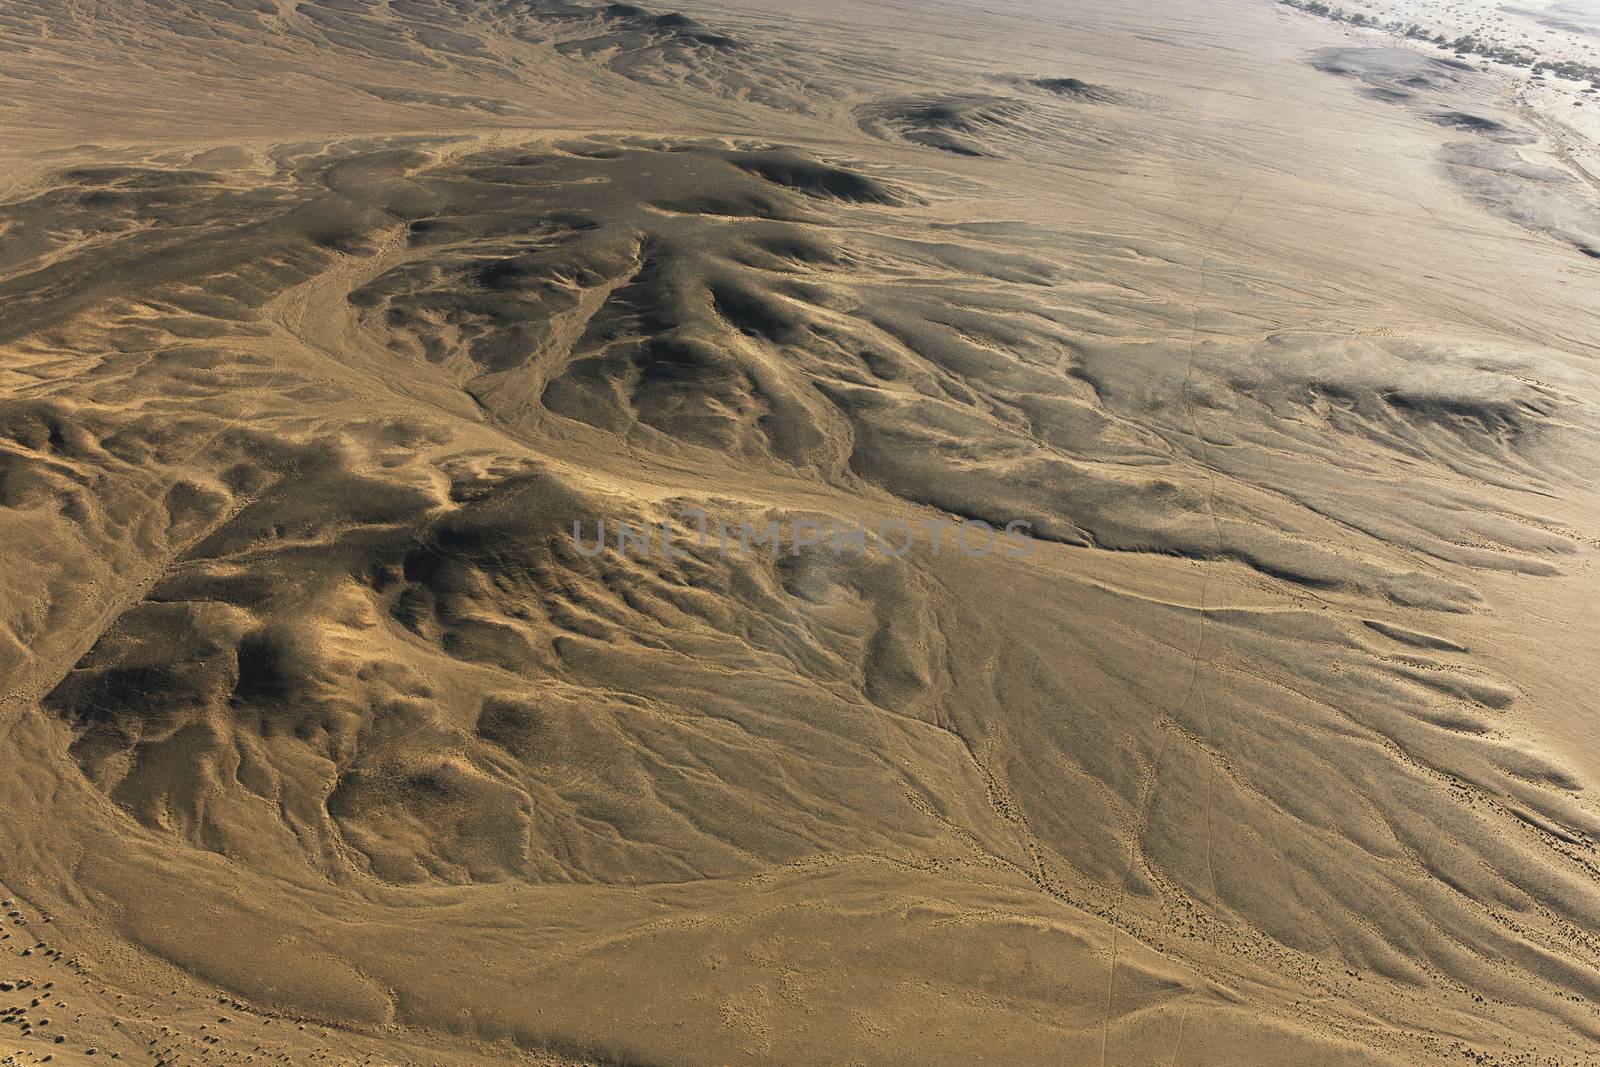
323	741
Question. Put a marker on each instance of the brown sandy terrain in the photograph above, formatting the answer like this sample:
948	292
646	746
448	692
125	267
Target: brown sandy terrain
323	321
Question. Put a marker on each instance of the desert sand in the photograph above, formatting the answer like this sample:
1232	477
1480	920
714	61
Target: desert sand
323	321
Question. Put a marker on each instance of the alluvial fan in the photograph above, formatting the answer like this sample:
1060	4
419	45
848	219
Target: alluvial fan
831	533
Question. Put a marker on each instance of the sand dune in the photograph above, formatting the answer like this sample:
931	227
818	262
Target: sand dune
326	741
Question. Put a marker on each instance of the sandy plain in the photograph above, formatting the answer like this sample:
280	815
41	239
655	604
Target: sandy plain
321	322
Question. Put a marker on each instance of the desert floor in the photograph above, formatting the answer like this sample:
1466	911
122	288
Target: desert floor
322	741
